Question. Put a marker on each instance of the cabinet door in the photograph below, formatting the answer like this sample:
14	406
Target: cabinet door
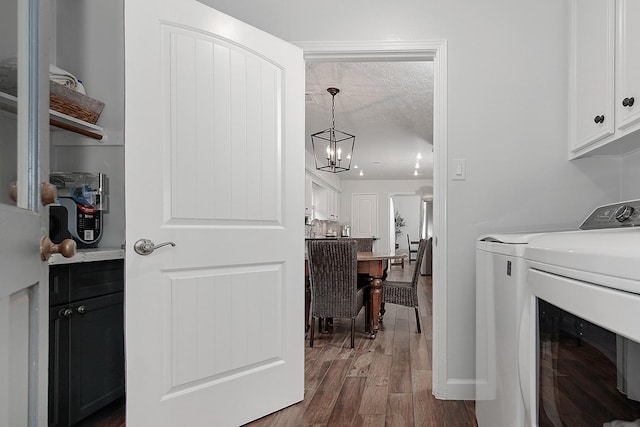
320	202
96	354
58	367
628	64
591	72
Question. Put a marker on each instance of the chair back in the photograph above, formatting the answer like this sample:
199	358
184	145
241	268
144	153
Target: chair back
422	247
365	244
429	257
333	267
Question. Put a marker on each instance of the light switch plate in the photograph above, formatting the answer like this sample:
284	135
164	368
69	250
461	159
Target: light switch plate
459	170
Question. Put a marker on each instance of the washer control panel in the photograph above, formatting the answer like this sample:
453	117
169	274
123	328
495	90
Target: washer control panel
622	214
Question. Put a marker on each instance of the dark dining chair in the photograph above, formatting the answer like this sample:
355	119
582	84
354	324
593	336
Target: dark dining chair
333	267
405	293
365	244
413	249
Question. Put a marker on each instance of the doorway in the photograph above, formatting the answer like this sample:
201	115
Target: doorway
407	223
435	51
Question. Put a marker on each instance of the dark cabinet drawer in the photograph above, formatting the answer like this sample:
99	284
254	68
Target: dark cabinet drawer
73	282
91	279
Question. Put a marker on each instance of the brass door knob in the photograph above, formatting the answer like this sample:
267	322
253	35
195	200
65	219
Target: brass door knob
48	193
67	248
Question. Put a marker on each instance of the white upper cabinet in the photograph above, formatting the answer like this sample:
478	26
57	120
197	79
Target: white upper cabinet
604	76
628	64
591	72
323	199
333	198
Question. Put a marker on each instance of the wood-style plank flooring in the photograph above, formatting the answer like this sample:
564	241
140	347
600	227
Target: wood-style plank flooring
381	382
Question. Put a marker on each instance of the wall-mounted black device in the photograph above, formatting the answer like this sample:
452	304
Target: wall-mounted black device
78	211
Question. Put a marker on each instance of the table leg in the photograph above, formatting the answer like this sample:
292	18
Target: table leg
376	299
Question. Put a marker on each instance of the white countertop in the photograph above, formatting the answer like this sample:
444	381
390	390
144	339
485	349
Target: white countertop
88	255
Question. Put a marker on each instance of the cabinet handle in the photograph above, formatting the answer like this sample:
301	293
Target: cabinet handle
81	309
599	119
628	102
65	312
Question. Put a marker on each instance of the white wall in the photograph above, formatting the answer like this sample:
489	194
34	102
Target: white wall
507	116
630	183
383	189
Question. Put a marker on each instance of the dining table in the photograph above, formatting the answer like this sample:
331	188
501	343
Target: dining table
374	264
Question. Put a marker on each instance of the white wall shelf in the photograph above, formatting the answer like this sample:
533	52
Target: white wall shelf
9	103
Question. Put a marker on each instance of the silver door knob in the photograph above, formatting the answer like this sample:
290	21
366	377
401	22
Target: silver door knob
146	246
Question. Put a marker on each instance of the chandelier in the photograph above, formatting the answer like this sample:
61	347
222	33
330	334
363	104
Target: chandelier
332	149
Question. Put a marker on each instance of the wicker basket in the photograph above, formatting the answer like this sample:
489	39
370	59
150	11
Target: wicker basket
74	104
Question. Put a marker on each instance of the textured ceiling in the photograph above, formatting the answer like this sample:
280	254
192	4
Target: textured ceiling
388	106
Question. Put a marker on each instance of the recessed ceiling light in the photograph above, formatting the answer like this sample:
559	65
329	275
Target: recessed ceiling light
355	166
415	173
361	173
419	156
417	165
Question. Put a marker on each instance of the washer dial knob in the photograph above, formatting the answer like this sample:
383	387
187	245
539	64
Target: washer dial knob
623	213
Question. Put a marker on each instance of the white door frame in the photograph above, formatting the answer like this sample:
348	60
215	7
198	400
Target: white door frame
429	50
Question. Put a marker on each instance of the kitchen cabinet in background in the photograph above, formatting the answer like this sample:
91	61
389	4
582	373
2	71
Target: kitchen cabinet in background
604	77
308	196
325	202
86	339
334	205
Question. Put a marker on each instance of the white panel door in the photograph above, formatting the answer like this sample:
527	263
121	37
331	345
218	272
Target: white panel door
214	163
23	295
364	208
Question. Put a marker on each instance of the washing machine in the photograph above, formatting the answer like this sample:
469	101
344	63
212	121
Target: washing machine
591	274
579	335
500	280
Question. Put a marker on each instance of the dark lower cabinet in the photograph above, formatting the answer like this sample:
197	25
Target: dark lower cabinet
86	340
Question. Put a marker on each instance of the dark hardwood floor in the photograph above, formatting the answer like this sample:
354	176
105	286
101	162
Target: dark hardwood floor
381	382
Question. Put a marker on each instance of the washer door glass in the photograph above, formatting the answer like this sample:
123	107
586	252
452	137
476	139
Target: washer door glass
588	376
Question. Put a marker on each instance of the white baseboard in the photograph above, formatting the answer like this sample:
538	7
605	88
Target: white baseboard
459	389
